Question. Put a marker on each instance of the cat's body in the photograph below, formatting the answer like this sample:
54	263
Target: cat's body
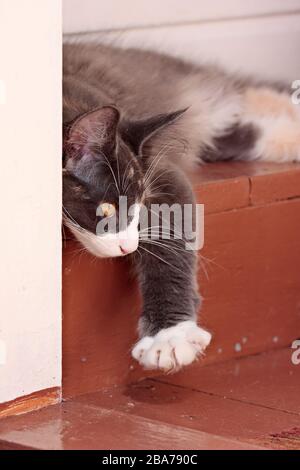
133	122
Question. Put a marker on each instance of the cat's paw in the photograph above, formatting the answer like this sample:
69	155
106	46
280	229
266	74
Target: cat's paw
173	347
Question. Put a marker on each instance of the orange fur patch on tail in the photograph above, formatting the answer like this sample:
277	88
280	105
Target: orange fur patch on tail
267	102
279	121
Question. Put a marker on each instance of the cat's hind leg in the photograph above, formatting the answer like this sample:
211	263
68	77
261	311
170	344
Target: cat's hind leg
266	128
277	120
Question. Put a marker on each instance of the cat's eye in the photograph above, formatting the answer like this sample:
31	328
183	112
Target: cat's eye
106	209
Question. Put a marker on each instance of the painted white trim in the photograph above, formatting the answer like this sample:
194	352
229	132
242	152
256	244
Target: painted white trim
30	236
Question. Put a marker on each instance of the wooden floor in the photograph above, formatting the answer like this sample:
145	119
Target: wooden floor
246	403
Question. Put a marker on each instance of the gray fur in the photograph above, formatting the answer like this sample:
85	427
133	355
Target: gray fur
147	89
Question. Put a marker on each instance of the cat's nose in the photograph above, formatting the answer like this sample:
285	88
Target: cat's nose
123	251
128	246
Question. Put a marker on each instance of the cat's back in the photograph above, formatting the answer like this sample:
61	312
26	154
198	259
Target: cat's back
86	58
139	82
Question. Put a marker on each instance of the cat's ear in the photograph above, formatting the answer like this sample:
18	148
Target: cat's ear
92	132
136	133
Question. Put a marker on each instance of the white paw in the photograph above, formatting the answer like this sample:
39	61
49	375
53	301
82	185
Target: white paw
173	347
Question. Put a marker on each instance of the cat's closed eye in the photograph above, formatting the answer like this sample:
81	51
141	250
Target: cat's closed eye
106	209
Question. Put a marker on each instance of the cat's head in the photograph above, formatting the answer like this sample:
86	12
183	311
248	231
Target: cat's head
103	161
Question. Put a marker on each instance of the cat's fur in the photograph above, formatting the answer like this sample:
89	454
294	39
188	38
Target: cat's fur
133	122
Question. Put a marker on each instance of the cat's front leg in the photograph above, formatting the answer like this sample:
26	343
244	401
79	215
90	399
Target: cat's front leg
169	335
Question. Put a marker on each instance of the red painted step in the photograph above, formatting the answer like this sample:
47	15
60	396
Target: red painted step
246	403
251	295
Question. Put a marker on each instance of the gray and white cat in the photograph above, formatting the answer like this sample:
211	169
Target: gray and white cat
134	121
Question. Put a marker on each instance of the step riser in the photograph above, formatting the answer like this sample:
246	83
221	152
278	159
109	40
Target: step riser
251	299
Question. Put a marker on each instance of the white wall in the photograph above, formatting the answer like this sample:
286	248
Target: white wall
260	37
30	165
91	15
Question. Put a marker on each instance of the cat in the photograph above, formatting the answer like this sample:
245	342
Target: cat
134	122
